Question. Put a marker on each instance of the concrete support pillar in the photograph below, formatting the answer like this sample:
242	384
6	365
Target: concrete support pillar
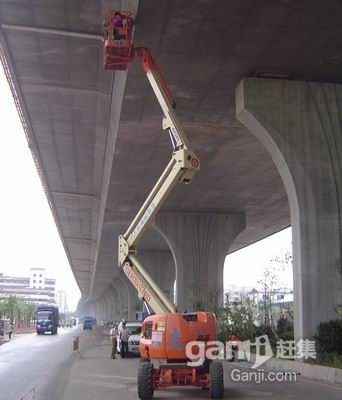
128	297
161	266
299	123
87	308
199	243
100	309
106	306
92	309
111	313
120	286
109	304
135	304
116	303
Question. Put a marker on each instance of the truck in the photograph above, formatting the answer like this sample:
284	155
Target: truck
164	335
88	323
47	319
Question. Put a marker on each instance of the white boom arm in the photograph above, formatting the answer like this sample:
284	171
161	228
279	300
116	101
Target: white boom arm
181	168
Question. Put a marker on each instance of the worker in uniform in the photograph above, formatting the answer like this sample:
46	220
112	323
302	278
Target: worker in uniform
114	339
117	22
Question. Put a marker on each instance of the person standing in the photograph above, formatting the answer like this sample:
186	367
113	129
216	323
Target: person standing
120	325
125	334
114	338
10	331
119	332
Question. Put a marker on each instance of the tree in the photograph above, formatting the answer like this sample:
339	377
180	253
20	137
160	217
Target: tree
237	317
18	310
11	307
271	285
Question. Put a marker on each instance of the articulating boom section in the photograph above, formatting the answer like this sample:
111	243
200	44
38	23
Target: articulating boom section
181	168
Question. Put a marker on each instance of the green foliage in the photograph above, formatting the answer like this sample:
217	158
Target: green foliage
328	338
17	310
271	285
237	318
285	329
330	360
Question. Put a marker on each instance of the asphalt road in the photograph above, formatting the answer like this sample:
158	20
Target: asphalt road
43	368
94	376
35	367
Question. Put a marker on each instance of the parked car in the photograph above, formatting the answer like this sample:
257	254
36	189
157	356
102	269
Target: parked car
134	339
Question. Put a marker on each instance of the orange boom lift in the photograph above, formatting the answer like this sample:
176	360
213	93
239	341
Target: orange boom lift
166	333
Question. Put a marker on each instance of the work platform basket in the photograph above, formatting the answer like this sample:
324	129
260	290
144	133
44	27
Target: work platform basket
118	36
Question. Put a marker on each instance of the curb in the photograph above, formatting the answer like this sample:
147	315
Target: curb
318	372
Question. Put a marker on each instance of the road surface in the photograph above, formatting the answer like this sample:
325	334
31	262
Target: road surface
43	368
32	365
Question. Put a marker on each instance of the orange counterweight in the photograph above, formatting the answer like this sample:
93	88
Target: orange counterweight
165	336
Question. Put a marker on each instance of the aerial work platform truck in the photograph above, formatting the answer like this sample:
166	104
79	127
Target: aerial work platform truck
164	334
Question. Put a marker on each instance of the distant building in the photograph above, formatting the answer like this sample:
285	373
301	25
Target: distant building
61	301
236	293
281	300
36	287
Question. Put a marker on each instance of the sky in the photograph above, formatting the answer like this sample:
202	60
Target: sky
29	237
245	267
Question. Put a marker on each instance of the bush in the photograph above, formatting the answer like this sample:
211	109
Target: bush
267	330
330	360
328	338
285	329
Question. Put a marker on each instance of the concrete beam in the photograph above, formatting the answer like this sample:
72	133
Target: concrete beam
299	123
199	243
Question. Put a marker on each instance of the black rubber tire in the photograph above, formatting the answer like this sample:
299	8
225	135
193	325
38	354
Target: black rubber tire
216	380
145	380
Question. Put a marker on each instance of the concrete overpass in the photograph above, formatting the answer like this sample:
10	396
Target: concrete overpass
270	149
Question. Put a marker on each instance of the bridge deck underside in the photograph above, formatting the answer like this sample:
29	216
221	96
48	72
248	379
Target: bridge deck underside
204	49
